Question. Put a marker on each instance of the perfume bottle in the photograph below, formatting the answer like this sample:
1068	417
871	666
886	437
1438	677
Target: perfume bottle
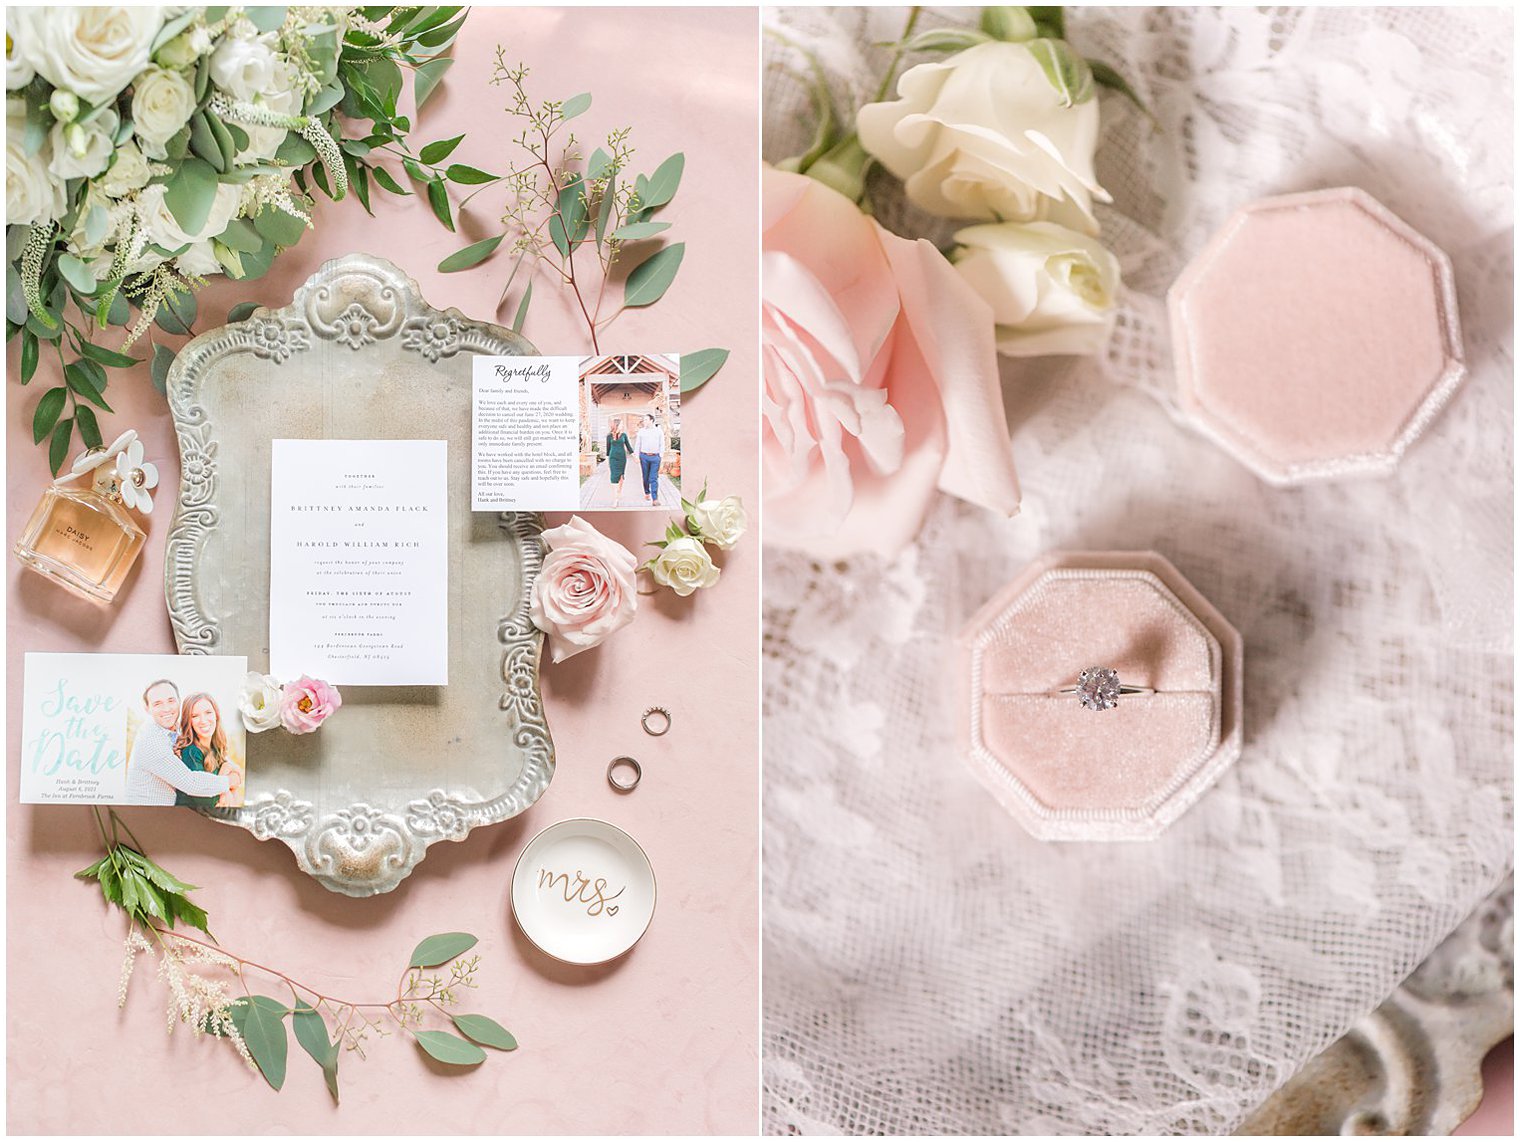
82	535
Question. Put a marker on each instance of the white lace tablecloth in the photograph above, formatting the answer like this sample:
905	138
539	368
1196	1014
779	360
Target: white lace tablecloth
929	968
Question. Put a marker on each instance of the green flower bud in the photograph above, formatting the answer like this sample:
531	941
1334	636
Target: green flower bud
64	105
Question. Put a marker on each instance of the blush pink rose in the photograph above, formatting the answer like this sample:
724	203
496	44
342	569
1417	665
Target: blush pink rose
881	379
306	703
586	589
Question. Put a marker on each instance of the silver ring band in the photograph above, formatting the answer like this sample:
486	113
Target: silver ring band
1099	688
656	712
624	762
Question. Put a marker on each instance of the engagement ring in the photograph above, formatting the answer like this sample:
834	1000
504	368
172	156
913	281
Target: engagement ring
1098	688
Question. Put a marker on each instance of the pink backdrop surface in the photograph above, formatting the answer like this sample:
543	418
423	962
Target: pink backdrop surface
663	1041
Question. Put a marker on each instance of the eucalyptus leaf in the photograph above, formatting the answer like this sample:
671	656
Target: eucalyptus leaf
698	368
163	357
15	300
49	409
189	194
662	185
241	235
650	279
604	208
426	78
636	230
471	255
76	273
96	223
261	1022
264	17
242	311
450	1049
435	152
485	1031
177	313
325	100
295	151
311	1033
203	142
522	309
284	230
58	447
575	105
597	164
568	223
440	949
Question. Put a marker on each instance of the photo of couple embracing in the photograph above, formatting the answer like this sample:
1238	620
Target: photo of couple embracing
181	751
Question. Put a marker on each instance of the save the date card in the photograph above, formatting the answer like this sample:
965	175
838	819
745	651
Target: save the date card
577	434
133	729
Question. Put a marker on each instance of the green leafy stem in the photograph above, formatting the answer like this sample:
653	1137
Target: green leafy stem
323	1025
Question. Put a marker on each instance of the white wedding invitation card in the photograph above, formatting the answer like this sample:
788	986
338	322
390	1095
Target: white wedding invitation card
577	433
132	729
359	562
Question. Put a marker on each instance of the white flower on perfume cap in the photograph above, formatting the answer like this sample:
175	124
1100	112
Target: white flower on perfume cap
138	477
93	458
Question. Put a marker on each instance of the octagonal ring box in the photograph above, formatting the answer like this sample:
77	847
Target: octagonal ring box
1067	773
1316	336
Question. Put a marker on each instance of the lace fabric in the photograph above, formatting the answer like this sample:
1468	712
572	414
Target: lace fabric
929	968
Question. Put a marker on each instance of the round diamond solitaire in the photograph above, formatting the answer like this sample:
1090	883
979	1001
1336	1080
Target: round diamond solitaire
1098	688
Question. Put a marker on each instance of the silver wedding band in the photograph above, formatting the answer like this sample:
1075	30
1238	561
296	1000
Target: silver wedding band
662	718
617	765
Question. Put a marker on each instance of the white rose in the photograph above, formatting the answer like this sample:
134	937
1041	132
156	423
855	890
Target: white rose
18	69
984	135
162	103
164	229
127	173
719	522
200	259
31	194
242	68
683	565
1051	289
260	703
83	150
283	97
93	52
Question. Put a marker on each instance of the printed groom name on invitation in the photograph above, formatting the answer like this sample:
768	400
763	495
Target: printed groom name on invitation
577	433
133	729
358	581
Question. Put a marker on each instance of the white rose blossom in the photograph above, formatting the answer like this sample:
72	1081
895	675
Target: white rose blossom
18	69
93	52
162	103
260	703
83	150
684	566
985	135
719	522
243	68
128	172
31	194
164	229
283	96
1051	289
199	260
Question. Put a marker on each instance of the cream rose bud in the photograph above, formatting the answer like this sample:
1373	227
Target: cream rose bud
260	703
1051	289
64	105
242	68
128	172
984	135
31	194
683	565
586	589
720	522
93	52
162	103
83	150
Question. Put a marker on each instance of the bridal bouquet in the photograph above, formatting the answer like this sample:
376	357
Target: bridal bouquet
148	148
881	376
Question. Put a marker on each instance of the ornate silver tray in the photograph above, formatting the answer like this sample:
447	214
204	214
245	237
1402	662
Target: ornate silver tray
359	354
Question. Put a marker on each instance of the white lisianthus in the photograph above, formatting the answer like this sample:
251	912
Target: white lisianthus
83	150
985	135
31	194
719	522
1051	289
683	565
200	259
18	69
243	68
128	172
260	703
164	229
162	103
93	52
283	96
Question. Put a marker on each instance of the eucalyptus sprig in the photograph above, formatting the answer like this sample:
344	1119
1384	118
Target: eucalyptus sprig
560	203
324	1026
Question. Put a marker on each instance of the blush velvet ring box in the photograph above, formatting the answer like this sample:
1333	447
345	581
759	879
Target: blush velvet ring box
1115	773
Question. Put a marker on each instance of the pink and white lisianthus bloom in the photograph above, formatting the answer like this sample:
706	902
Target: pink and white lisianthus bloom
306	703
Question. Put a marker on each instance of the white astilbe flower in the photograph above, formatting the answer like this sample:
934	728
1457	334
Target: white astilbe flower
135	944
195	999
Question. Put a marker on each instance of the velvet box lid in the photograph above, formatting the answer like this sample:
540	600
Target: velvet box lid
1316	336
1074	774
